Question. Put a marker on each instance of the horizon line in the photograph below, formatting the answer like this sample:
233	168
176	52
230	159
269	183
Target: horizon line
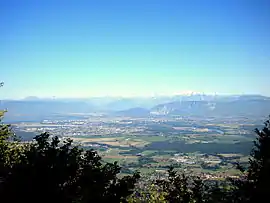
134	96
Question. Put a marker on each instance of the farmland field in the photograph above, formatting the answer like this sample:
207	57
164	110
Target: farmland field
154	145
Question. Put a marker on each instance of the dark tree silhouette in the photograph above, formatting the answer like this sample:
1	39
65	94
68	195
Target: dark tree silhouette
254	185
181	187
48	170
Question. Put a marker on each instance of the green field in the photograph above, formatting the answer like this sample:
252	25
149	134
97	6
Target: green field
184	149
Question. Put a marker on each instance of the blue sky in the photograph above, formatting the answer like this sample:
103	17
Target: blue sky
133	47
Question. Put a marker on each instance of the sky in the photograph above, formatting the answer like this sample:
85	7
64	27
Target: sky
82	48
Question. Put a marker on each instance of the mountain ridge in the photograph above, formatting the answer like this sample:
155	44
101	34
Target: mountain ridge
197	105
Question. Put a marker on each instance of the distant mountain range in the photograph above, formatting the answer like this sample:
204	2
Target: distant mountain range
239	107
197	105
247	105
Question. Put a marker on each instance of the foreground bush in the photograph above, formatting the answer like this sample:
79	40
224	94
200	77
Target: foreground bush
151	194
48	170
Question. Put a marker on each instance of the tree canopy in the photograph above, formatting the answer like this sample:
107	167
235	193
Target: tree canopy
55	171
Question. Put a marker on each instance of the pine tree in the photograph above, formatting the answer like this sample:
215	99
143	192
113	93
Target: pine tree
254	185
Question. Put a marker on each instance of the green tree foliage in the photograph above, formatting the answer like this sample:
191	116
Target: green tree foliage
48	170
150	194
253	186
180	187
9	145
176	187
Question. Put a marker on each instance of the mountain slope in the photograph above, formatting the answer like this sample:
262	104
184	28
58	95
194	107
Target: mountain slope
238	107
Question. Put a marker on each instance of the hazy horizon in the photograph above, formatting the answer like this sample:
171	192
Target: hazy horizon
132	96
134	48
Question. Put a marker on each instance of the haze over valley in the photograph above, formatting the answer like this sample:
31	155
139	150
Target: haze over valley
206	134
181	105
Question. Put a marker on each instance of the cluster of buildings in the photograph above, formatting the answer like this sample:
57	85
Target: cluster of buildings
80	127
